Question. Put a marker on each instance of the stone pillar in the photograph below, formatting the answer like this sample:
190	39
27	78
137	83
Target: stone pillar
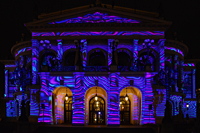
84	52
161	44
113	101
35	60
78	117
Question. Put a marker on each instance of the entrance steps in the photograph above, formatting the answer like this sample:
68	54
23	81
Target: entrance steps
93	129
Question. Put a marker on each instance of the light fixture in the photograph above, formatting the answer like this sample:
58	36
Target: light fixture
126	97
96	97
66	96
187	105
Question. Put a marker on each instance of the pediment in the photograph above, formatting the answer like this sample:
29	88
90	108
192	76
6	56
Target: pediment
96	17
82	16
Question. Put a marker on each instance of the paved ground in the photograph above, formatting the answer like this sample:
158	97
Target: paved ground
16	127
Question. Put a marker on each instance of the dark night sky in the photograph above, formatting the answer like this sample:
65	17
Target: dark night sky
183	14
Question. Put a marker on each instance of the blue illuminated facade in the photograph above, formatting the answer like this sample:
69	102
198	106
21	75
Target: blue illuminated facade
104	53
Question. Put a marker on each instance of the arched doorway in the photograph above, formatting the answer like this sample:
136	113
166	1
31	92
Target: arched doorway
62	105
124	110
67	109
130	106
97	110
95	106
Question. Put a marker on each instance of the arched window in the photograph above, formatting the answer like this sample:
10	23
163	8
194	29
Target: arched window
69	58
97	111
123	59
147	58
97	59
47	59
124	111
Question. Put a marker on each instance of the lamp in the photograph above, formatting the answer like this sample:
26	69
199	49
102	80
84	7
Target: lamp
66	96
96	97
126	97
187	105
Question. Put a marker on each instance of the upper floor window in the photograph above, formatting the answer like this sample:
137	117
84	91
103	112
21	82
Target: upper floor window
97	58
123	59
69	58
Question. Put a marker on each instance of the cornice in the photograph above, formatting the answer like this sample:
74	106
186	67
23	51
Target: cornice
98	27
178	45
20	45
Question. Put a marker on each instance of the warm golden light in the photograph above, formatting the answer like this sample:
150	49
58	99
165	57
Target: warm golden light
66	97
126	97
96	98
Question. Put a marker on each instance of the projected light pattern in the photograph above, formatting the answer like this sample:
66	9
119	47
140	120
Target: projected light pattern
162	53
135	51
84	52
78	100
35	60
100	33
6	72
191	111
176	103
59	49
160	110
10	108
110	82
175	50
44	33
10	66
96	17
147	114
113	103
23	50
34	106
189	64
79	92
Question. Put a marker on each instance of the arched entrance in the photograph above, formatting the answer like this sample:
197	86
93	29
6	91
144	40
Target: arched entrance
68	109
95	106
124	110
62	105
97	110
130	106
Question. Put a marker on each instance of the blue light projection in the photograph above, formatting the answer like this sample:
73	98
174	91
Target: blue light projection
100	33
23	50
97	17
189	64
111	82
35	60
177	100
175	50
191	111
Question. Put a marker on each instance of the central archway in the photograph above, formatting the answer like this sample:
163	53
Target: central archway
95	107
97	110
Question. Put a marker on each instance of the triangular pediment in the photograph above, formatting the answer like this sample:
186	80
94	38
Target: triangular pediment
98	15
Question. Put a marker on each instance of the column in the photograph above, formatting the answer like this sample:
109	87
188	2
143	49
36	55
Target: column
78	117
113	116
35	60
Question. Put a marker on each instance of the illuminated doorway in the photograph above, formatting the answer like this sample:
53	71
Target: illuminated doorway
68	110
124	111
97	110
130	106
62	105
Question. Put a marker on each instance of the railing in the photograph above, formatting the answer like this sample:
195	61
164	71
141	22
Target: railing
94	69
62	69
